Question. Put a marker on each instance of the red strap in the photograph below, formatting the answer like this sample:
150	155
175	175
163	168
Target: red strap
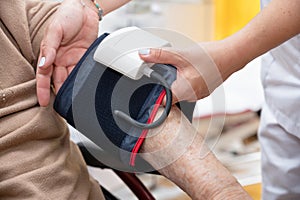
141	139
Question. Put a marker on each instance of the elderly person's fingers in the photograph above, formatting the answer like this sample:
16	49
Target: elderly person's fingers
48	49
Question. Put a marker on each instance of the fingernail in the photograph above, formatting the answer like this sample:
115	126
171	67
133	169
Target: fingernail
144	52
42	62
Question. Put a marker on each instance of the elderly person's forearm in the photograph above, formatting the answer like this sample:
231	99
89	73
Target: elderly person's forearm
194	168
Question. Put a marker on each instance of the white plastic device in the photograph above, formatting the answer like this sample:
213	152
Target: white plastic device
119	51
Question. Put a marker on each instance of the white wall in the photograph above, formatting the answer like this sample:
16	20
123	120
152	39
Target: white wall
194	20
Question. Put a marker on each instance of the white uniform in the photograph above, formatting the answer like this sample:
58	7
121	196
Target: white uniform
279	132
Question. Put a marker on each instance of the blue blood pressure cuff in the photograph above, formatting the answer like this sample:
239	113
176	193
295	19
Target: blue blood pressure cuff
91	94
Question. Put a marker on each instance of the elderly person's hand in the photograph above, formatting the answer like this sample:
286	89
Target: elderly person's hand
71	31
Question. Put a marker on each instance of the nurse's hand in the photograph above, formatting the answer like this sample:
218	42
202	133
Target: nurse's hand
197	74
70	32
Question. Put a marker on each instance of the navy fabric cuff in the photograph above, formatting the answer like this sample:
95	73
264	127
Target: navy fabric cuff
92	92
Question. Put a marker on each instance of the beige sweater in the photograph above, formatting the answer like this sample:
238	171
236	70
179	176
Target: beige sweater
37	159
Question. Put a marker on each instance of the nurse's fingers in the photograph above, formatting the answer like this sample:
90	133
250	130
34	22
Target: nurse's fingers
164	56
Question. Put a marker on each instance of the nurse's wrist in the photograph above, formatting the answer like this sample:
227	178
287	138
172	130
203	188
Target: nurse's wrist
225	56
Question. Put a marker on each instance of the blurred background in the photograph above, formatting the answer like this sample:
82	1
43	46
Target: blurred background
198	19
231	133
